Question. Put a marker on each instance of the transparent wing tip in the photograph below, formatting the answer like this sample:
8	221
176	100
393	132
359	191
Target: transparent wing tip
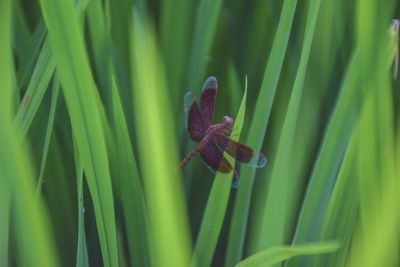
211	82
258	161
187	101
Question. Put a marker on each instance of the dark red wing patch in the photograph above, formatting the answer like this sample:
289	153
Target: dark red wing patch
240	152
195	123
237	150
207	100
214	159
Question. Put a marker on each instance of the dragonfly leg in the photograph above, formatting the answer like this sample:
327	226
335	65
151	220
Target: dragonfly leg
235	179
188	158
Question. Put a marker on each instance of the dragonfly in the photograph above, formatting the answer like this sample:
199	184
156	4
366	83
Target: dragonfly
213	139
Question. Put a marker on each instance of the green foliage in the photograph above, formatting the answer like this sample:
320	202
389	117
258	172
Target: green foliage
91	130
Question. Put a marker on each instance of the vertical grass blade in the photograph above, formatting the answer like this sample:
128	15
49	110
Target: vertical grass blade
274	228
82	100
377	239
49	131
205	27
130	189
6	66
214	213
176	18
33	243
340	221
82	258
257	131
330	155
158	150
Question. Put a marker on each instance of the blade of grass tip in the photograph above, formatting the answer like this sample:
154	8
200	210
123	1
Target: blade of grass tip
234	84
157	150
217	203
33	243
130	187
49	131
257	131
203	33
274	227
82	258
83	106
274	255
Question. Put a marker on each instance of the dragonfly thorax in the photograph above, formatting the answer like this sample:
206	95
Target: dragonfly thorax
220	128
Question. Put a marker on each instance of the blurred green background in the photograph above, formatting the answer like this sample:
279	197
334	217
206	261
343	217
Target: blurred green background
92	127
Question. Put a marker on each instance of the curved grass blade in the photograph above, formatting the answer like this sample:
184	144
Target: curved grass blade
41	76
274	255
49	131
82	103
257	131
214	213
157	150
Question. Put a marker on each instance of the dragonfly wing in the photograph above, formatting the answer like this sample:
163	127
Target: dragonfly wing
193	119
240	152
214	159
207	100
187	102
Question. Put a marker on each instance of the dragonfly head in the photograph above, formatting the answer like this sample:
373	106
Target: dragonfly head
228	122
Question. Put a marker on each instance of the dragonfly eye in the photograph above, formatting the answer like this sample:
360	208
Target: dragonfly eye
228	121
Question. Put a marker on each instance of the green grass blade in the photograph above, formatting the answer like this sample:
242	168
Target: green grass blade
340	221
31	54
130	188
41	76
81	98
217	203
5	199
203	33
325	168
274	255
273	231
378	231
257	131
82	258
157	148
37	87
33	243
21	32
175	32
49	131
100	42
